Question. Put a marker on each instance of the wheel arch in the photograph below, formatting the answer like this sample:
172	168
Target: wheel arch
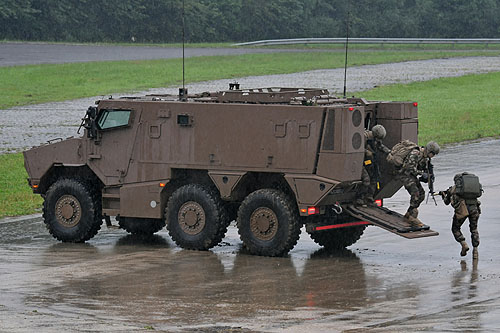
58	171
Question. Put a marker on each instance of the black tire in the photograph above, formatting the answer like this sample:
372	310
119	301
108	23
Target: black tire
141	226
196	217
338	239
268	223
72	210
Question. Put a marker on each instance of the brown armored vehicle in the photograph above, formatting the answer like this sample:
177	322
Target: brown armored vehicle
273	159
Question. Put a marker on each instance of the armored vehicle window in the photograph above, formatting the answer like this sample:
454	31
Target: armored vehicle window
113	118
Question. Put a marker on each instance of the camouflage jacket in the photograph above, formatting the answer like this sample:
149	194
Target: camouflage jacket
415	163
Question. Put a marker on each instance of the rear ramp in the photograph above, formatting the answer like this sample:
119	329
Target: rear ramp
389	220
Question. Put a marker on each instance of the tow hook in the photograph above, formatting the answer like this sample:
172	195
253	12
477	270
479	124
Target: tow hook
337	208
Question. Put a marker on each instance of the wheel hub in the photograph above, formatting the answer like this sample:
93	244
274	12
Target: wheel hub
191	218
68	211
264	223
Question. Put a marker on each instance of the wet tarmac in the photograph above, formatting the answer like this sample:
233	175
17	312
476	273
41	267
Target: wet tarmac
382	283
18	54
26	126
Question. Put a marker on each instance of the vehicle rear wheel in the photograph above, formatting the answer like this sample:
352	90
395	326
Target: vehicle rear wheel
196	218
268	223
72	210
141	226
337	239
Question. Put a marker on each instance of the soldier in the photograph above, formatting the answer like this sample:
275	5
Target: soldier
370	172
412	166
463	198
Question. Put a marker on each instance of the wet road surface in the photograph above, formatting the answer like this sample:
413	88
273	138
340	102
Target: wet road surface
18	54
26	126
383	283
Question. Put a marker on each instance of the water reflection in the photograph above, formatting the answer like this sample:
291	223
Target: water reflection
193	287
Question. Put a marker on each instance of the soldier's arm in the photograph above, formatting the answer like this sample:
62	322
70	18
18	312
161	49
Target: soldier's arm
447	196
383	148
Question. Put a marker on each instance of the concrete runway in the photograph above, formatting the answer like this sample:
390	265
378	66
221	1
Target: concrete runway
383	283
18	54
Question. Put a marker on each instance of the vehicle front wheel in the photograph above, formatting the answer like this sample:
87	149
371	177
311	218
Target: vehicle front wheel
268	223
72	210
196	218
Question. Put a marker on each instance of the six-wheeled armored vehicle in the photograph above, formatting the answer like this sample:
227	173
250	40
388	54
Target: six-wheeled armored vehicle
272	159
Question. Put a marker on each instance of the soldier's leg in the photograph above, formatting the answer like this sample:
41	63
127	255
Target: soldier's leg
457	233
473	220
417	195
364	190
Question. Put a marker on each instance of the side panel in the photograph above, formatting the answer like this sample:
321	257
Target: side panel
39	160
229	137
141	200
342	149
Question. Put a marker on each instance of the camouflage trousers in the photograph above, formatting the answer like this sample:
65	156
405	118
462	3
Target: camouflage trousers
368	185
415	189
473	217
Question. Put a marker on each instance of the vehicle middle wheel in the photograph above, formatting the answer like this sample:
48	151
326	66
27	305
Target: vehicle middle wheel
196	218
268	223
141	226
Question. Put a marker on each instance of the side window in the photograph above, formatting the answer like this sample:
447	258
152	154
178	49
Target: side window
113	119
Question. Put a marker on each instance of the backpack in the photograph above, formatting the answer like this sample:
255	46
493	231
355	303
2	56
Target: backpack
399	152
468	186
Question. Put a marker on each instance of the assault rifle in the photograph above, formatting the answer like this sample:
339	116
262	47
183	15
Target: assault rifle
431	179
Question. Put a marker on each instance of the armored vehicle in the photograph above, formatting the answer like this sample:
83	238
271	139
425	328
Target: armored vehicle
273	159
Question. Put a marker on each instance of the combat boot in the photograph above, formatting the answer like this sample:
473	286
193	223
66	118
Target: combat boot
465	248
411	216
475	253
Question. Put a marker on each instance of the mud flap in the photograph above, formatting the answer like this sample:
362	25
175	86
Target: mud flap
389	220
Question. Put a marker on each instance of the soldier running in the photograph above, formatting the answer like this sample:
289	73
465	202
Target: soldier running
412	167
370	172
463	198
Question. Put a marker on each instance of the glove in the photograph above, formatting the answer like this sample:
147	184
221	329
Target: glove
424	178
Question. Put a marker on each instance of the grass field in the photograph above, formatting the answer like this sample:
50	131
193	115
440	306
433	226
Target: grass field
16	197
451	109
21	85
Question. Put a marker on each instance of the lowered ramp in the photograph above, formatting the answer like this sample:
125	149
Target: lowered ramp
389	220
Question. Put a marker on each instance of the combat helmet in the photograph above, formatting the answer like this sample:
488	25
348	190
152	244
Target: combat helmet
432	147
379	132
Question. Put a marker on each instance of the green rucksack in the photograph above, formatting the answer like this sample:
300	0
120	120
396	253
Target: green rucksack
399	152
468	186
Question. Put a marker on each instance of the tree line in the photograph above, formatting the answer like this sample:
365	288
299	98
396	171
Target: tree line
244	20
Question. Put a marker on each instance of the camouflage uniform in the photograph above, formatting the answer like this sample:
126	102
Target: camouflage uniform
464	208
369	174
414	165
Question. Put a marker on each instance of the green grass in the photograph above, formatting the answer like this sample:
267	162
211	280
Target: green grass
16	197
21	85
450	109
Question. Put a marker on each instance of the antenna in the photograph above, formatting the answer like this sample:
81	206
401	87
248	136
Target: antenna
183	90
346	47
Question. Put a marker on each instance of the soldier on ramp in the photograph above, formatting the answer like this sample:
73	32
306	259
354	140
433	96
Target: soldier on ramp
412	166
463	198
